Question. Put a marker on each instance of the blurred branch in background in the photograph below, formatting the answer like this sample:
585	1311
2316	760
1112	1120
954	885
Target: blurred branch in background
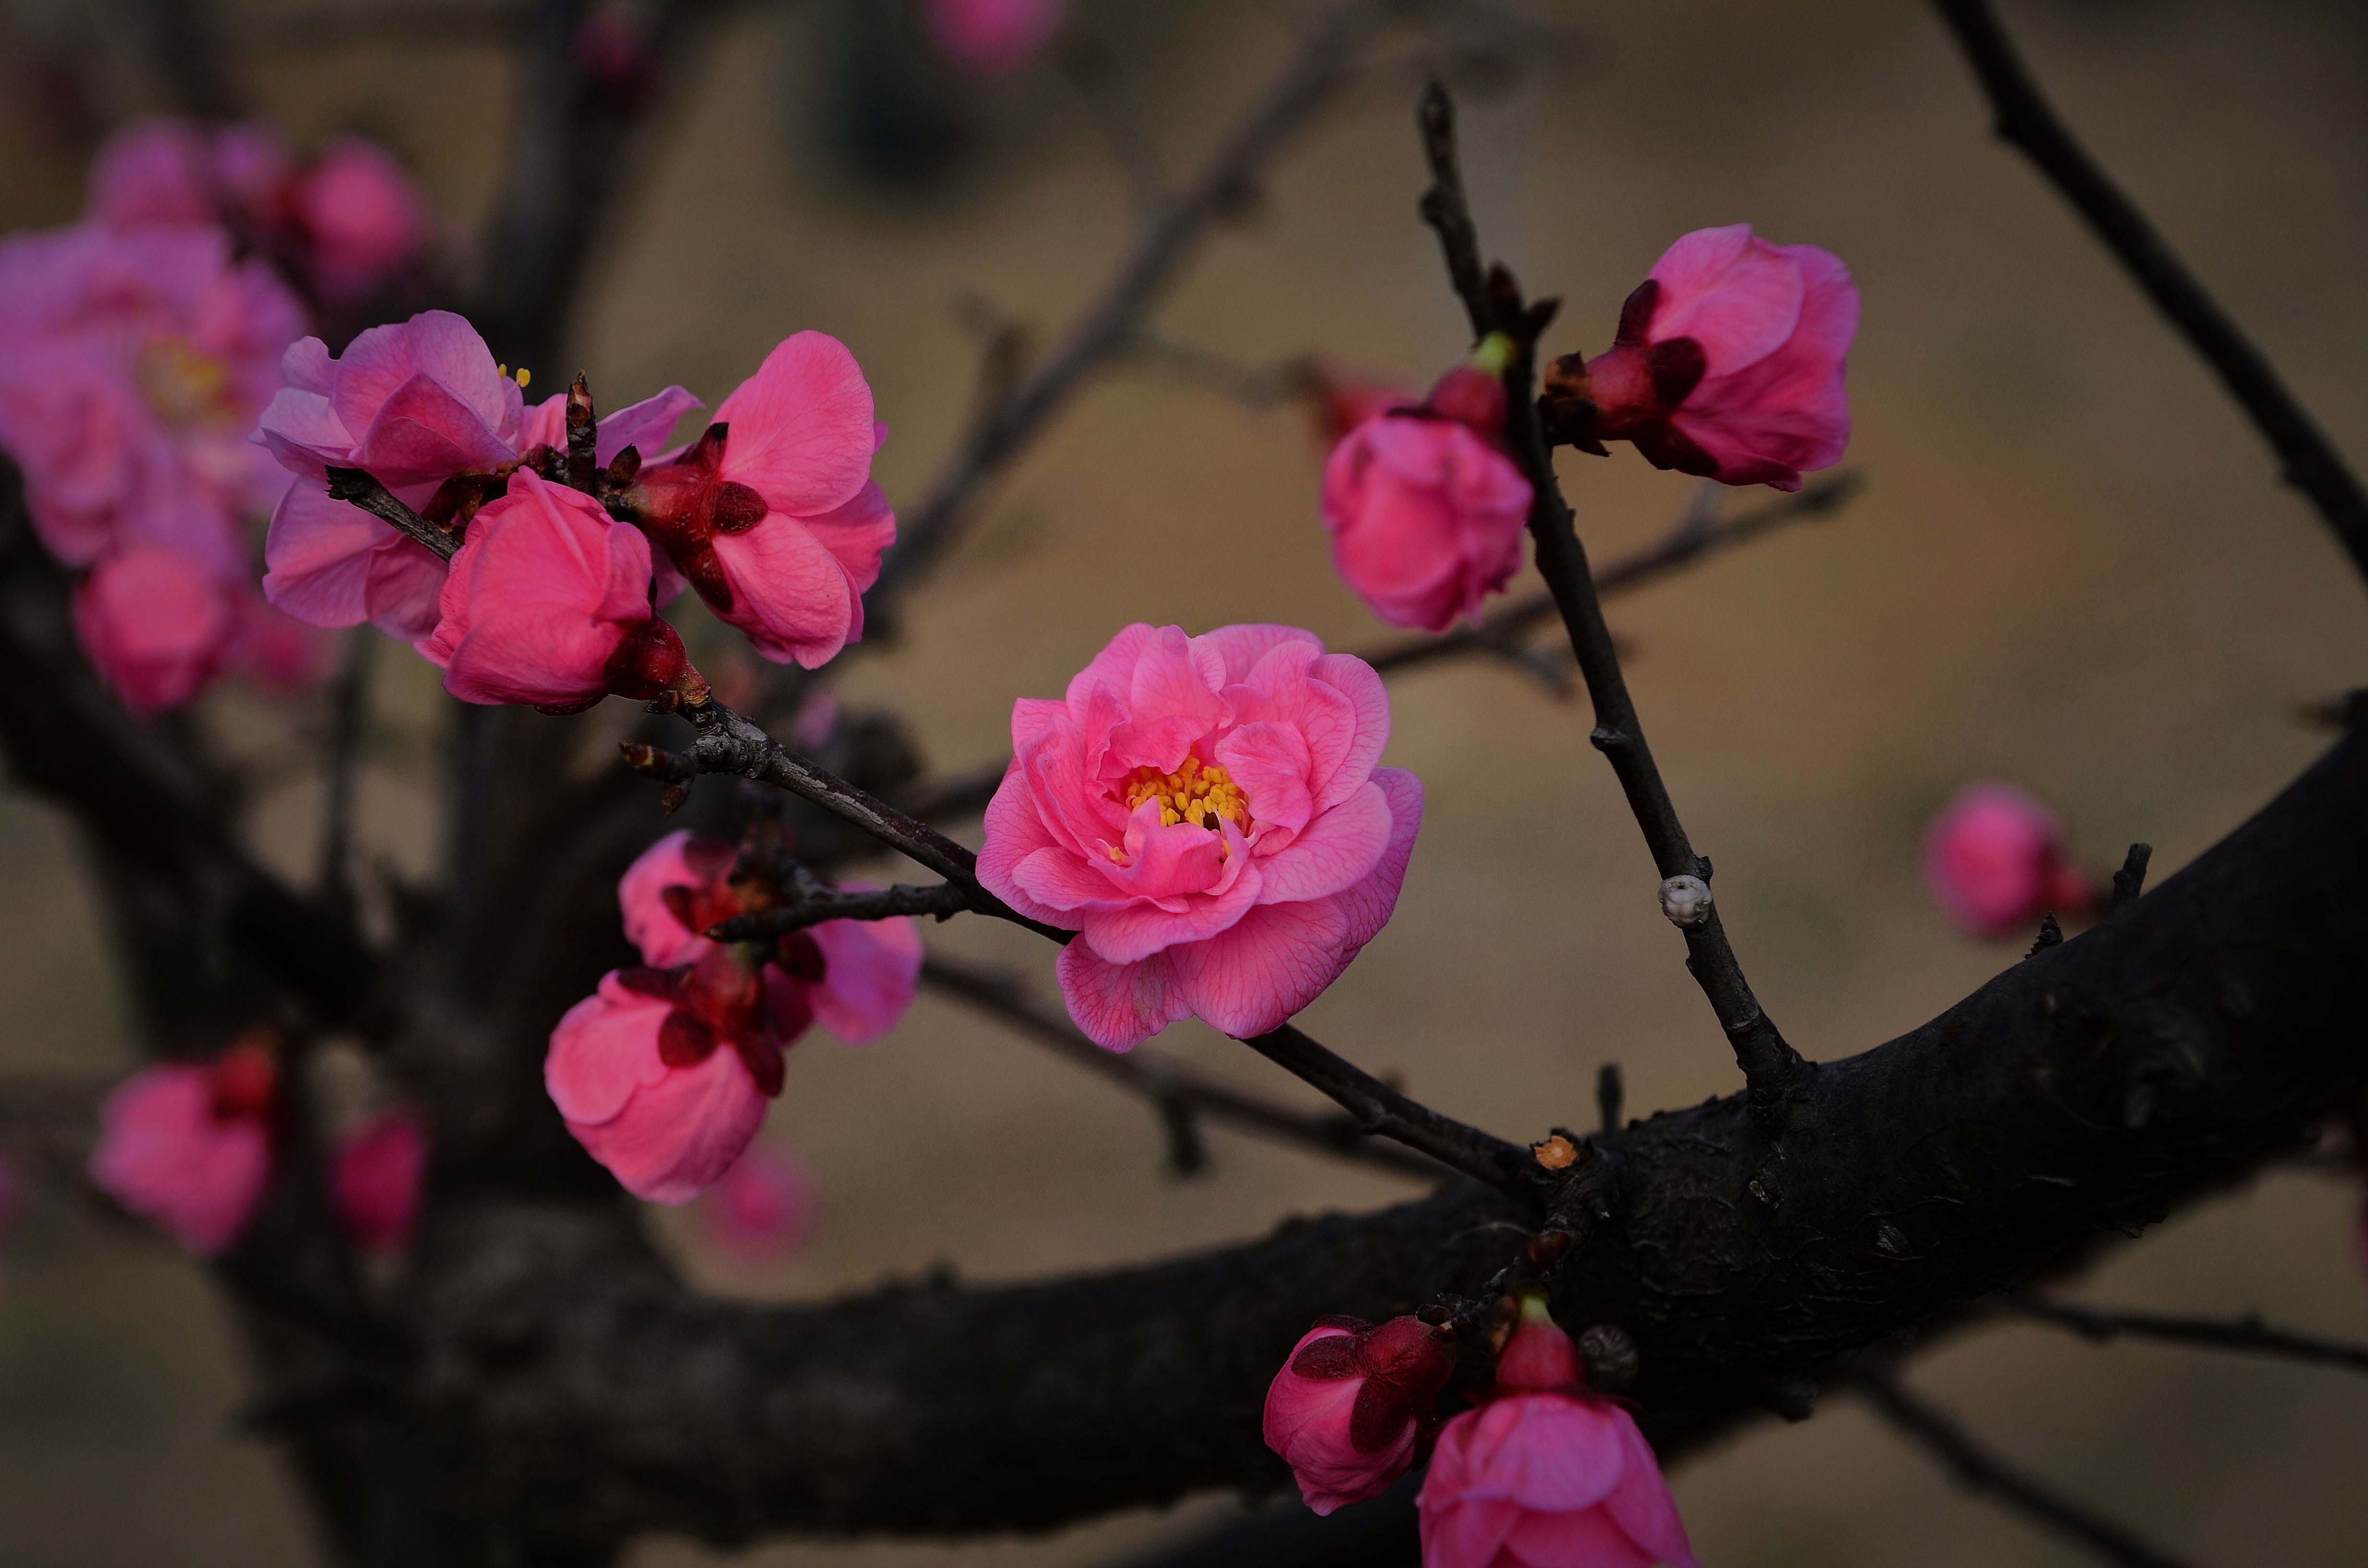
2248	1335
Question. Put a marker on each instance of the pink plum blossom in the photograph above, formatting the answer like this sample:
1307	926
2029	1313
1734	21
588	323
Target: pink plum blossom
1425	509
773	514
548	603
1547	1474
1354	1406
1996	860
415	405
1729	363
854	977
365	221
663	1075
1206	814
153	625
190	1146
993	38
132	366
374	1180
760	1207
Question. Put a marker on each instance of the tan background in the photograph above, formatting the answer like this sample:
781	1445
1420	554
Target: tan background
2072	568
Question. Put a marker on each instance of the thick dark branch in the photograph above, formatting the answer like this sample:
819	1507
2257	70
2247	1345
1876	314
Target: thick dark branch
2024	119
348	728
1978	1470
2247	1334
1108	328
1773	1070
361	489
1164	1081
1689	541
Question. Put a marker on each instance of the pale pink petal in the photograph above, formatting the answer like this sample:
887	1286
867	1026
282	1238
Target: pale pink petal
1333	852
423	433
1240	648
605	1048
665	941
1254	975
870	969
435	344
318	558
1118	1005
675	1138
801	427
1738	296
1366	907
1271	765
1014	831
789	594
1113	670
1140	929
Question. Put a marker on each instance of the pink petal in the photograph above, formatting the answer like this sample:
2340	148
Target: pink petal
1366	907
1271	765
1014	831
318	558
789	594
1738	296
1138	930
675	1138
374	1180
801	427
857	535
164	1154
1333	852
1586	1539
1118	1006
1641	1504
604	1049
1361	685
1254	975
1058	879
644	424
1549	1451
870	971
1458	1533
1240	648
302	432
406	579
1112	668
761	1207
439	346
650	925
423	433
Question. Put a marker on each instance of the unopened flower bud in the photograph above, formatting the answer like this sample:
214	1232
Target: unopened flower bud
1351	1409
1686	901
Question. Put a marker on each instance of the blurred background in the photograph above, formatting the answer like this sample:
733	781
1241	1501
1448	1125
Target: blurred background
2071	566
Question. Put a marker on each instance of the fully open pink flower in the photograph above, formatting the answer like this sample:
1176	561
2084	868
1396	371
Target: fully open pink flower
1547	1474
760	1207
365	219
1996	860
548	603
663	1075
1351	1406
132	365
990	39
1425	509
1205	811
154	624
374	1178
854	977
772	514
190	1146
1729	363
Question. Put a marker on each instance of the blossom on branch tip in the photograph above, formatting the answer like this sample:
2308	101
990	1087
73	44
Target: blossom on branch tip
1205	811
548	603
1996	859
190	1146
374	1178
993	38
1547	1474
1353	1407
760	1207
773	514
1425	508
1728	364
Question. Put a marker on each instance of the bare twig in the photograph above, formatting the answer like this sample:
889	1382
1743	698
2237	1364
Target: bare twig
1773	1072
1163	1080
1106	329
1093	71
2245	1333
2024	119
1686	543
811	905
349	725
1980	1471
1380	1109
2130	880
360	488
954	797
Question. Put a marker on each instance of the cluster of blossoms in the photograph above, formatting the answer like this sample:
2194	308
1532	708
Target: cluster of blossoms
1543	1473
1996	861
664	1072
551	598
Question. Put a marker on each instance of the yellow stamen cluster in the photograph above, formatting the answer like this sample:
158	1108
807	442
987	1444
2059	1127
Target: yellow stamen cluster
186	385
522	376
1191	794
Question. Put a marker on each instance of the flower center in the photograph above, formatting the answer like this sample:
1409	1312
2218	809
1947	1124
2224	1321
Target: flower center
1191	794
185	385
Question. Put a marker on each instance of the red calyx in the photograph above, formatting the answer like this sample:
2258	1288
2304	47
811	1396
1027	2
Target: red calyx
245	1079
1629	391
1405	1363
651	661
720	1000
1470	396
683	505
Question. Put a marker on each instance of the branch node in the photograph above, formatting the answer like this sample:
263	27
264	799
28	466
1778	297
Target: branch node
1686	901
2130	880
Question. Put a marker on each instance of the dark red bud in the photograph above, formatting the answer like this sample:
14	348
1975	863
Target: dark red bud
245	1077
651	659
1471	396
685	1040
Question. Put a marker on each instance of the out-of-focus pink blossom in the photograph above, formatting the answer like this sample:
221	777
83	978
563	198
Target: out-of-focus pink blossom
1729	363
1996	860
374	1180
155	171
1352	1407
854	977
663	1075
270	650
190	1146
1206	812
773	514
760	1207
994	39
1547	1474
1425	509
365	219
153	624
132	366
416	404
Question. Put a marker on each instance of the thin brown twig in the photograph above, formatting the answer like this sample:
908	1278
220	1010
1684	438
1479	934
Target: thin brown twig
2024	119
361	488
2247	1334
1163	1080
1774	1074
